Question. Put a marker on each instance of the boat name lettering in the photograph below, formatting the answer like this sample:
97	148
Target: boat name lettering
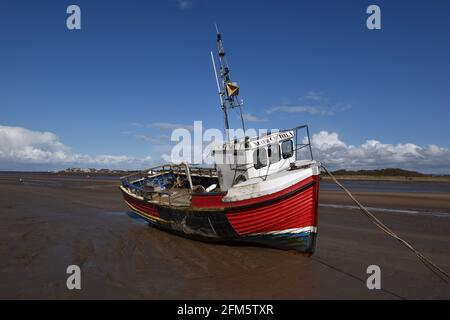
271	139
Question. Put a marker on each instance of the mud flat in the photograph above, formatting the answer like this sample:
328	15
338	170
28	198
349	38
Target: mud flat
48	223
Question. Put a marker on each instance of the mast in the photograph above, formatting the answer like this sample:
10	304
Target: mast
228	90
221	95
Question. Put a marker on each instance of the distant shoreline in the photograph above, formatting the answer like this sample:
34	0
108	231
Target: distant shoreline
388	174
389	178
324	176
68	174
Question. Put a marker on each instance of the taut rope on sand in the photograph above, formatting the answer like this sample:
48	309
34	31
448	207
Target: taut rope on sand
442	274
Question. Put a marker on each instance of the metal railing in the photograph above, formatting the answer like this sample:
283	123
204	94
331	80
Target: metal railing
299	145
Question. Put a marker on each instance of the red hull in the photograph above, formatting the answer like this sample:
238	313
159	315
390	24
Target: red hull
286	219
296	209
292	208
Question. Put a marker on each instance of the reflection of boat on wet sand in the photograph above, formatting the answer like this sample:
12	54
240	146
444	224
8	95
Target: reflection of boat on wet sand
259	191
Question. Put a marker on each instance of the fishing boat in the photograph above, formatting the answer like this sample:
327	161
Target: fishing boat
262	190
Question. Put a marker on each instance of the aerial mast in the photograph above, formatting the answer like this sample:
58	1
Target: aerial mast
228	90
222	96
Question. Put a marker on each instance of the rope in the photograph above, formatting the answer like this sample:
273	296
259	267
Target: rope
443	275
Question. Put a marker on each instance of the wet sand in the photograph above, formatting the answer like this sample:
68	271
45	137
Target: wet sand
49	222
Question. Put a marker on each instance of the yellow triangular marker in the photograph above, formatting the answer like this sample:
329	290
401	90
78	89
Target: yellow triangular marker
232	89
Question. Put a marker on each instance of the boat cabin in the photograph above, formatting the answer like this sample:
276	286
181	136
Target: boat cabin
247	158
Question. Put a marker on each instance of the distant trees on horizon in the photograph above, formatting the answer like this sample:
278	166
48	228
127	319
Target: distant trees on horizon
392	172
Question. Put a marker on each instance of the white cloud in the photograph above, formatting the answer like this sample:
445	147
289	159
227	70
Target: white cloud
161	139
252	118
328	148
166	158
311	109
171	126
313	103
30	149
20	146
327	141
314	110
313	96
162	126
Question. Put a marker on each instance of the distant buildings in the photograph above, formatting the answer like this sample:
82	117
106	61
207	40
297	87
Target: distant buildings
93	171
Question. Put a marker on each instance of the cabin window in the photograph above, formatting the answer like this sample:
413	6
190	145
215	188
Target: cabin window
273	152
260	158
287	148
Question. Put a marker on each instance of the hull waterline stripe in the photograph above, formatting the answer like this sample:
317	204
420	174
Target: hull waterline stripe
294	230
142	213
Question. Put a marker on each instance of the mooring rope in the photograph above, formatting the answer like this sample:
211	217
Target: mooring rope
443	275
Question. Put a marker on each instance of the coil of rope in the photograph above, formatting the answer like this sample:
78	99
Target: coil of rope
442	274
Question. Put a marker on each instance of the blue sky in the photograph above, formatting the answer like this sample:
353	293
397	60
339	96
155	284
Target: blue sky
137	66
